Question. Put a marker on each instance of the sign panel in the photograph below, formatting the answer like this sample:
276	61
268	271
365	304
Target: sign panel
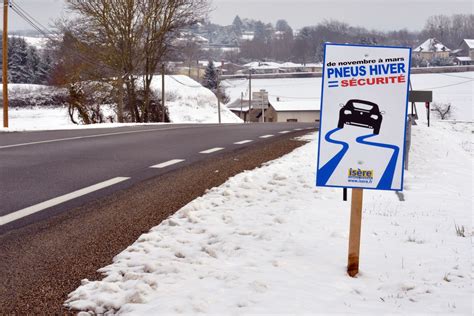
363	117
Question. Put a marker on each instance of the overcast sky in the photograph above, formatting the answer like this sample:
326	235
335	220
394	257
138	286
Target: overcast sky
372	14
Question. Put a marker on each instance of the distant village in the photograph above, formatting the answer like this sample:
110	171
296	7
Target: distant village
430	53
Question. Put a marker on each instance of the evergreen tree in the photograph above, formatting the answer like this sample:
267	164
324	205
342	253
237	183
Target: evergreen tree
32	65
17	61
283	26
44	68
237	25
25	63
210	77
211	81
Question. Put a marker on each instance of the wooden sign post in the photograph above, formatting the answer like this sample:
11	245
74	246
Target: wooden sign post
354	233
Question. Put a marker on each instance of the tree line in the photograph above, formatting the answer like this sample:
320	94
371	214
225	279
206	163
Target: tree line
280	42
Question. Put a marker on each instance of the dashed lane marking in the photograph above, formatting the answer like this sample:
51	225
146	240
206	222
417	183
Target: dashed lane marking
297	129
243	142
58	200
284	132
212	150
167	164
95	136
266	136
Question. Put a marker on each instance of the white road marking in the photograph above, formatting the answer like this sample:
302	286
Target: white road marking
167	163
243	142
284	132
96	135
58	200
266	136
297	129
212	150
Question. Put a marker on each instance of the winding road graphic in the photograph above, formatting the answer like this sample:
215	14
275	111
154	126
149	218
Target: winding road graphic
387	177
325	172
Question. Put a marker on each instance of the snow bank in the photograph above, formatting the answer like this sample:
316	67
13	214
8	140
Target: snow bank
269	241
188	101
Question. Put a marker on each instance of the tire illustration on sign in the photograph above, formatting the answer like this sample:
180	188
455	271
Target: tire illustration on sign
361	113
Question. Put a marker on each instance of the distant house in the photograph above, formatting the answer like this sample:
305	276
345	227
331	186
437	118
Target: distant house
240	108
291	67
313	67
293	110
254	114
464	54
247	36
431	49
187	37
267	67
262	67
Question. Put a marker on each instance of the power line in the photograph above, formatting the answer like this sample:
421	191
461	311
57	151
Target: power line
296	98
28	15
44	31
451	85
184	84
455	76
227	82
30	20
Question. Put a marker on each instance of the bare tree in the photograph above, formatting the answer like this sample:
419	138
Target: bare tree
110	33
444	110
162	19
130	38
450	30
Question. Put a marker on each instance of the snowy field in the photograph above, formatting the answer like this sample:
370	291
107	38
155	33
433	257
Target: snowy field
187	101
456	88
268	241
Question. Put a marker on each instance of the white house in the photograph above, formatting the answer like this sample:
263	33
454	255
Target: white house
293	110
465	52
430	49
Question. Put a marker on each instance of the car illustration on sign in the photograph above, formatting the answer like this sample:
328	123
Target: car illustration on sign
361	113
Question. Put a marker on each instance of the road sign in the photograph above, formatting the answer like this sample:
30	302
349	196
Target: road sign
363	116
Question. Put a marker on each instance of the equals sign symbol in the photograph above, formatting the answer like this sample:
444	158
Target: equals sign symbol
333	84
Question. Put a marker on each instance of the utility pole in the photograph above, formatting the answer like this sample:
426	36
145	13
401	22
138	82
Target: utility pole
218	94
163	91
5	63
241	99
263	105
198	71
250	92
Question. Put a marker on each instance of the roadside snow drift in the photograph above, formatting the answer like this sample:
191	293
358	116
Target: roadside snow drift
189	102
269	241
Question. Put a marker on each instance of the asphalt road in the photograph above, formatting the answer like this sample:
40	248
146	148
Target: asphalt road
45	173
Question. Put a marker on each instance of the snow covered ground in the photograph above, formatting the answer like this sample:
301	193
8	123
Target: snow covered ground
39	43
187	102
456	88
268	241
